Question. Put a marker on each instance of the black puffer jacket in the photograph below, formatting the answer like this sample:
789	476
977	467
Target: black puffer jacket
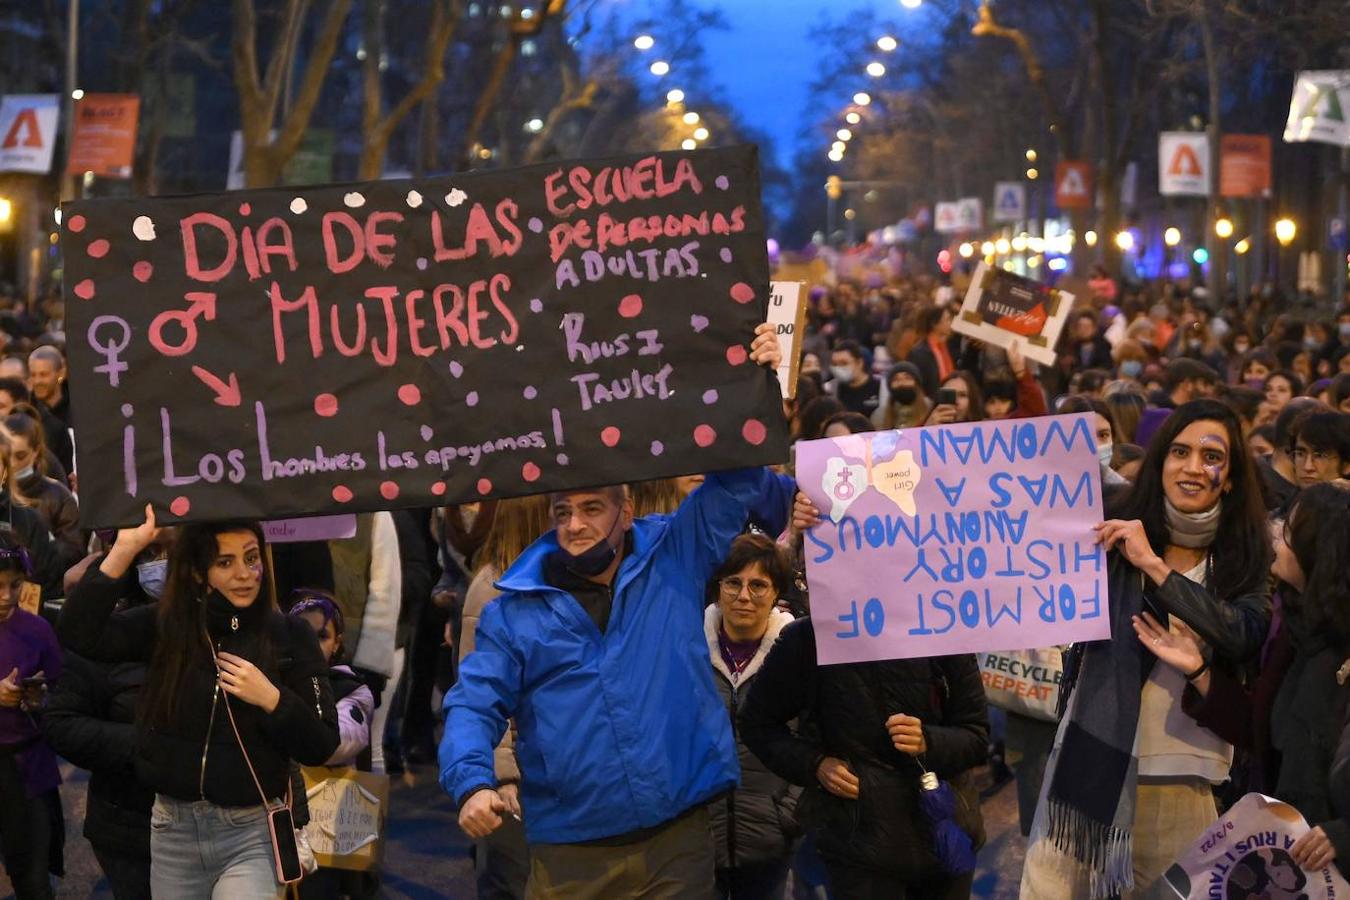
884	828
198	757
755	823
91	722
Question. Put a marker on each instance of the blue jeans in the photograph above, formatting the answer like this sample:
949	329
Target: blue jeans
200	851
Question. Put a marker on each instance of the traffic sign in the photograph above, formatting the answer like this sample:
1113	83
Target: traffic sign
1183	164
1073	185
1010	201
28	126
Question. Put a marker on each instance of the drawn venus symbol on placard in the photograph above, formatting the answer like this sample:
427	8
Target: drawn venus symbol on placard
843	484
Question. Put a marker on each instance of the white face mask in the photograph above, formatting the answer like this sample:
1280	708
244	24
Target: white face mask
1105	452
24	474
843	373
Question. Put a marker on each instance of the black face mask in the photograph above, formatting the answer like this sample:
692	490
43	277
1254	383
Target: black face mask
594	559
904	395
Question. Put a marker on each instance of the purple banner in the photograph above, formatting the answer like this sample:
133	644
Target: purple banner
955	539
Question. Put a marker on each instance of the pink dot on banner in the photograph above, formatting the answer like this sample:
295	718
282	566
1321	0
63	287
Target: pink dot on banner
710	396
245	209
630	306
722	183
342	494
99	248
438	488
658	448
742	292
410	395
421	263
562	459
85	289
484	486
143	270
610	436
388	490
736	354
754	432
471	398
76	224
455	368
536	305
529	393
535	224
725	254
180	506
704	435
326	405
529	471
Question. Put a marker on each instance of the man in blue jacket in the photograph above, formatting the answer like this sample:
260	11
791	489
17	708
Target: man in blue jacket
596	649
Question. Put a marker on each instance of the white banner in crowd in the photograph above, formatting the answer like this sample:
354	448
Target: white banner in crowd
28	132
1317	109
787	313
1183	164
1246	855
1010	201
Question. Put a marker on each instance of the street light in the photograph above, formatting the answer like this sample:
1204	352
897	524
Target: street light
1242	246
1090	238
853	118
987	248
675	96
77	94
1033	174
6	210
876	69
967	250
1125	240
887	43
911	4
535	125
1002	246
1223	228
1019	244
660	67
844	134
839	146
700	133
688	144
1285	231
862	98
836	156
1172	237
644	42
1031	155
691	118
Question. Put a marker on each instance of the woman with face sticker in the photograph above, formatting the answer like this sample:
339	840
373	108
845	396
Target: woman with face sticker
234	694
1291	717
1130	780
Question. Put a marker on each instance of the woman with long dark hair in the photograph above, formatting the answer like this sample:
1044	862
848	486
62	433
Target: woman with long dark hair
1130	781
235	693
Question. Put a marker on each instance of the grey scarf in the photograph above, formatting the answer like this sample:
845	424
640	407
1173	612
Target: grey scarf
1193	530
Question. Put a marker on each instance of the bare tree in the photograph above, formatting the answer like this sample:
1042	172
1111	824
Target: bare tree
268	143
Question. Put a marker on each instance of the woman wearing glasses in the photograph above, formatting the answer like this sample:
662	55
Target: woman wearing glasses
754	826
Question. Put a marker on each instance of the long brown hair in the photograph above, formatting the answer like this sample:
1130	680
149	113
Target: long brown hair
8	482
659	496
180	643
517	523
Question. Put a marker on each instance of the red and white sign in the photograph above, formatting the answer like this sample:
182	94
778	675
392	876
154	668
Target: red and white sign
1244	166
1183	164
28	132
1073	185
105	135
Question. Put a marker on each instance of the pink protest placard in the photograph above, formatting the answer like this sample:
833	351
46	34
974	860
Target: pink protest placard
314	528
955	539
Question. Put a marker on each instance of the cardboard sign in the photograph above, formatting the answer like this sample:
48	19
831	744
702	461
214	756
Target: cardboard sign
314	528
347	809
1001	307
955	539
1244	165
1317	111
1246	855
105	135
28	132
947	218
787	313
274	353
1183	164
1010	201
1073	185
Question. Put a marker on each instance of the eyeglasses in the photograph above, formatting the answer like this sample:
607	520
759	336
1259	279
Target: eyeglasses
1300	454
758	588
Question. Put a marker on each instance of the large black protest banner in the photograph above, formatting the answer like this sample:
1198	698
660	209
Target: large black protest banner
284	352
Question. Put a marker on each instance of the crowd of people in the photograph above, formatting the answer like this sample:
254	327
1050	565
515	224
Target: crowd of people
618	687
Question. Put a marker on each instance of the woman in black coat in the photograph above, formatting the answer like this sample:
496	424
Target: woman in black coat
220	654
876	727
